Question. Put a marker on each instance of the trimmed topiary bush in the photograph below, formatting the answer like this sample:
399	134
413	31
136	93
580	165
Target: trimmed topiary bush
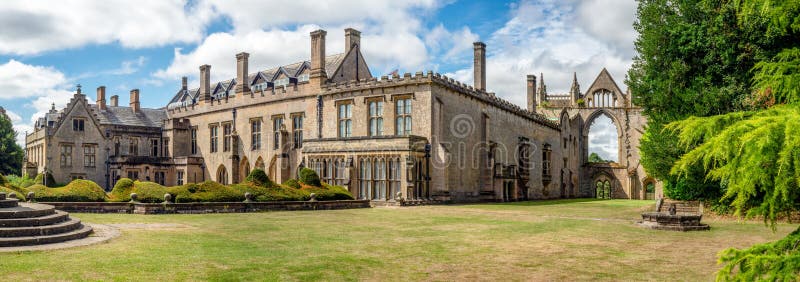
122	190
329	192
258	177
292	183
309	177
20	196
78	190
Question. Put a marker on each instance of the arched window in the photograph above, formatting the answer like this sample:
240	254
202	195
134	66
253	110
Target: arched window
603	98
394	177
222	175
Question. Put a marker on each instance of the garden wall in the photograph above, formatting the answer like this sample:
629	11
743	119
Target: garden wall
208	207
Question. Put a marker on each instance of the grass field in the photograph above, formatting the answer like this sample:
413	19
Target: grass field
546	240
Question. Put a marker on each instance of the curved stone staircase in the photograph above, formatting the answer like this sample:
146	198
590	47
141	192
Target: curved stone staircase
23	224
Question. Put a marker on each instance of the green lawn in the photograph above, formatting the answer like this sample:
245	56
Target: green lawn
546	240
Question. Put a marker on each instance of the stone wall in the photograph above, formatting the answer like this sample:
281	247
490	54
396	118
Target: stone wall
213	207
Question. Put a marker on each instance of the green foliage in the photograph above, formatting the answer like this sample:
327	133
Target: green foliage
774	261
9	190
330	192
24	181
151	192
78	190
595	158
11	154
292	183
3	180
756	154
581	102
258	177
309	177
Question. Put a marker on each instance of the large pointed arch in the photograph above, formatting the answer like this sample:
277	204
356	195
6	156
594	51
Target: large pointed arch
244	169
259	164
222	175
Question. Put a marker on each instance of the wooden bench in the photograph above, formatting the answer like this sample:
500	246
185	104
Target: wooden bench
682	207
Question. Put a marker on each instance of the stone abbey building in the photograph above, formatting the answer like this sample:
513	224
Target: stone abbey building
420	136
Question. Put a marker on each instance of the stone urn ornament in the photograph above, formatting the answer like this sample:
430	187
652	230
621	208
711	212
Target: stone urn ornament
134	198
167	199
248	197
312	197
30	196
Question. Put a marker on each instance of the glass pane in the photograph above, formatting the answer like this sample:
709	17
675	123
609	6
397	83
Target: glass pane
400	107
408	106
408	125
380	109
380	127
399	126
372	109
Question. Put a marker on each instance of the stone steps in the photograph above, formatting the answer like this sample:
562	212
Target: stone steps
61	227
80	233
34	224
27	211
56	217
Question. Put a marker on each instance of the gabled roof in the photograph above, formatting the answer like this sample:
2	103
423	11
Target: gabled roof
605	81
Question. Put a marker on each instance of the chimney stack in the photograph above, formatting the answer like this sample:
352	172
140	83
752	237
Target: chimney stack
184	84
352	38
242	85
532	101
135	100
101	98
205	83
318	76
479	69
115	101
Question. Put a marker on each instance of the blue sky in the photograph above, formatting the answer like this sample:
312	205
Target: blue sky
46	48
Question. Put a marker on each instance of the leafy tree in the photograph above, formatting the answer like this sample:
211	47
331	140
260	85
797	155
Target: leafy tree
756	153
11	154
595	158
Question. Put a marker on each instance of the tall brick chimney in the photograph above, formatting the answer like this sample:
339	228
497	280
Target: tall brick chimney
205	83
479	62
135	100
318	76
101	98
115	101
242	84
352	38
532	93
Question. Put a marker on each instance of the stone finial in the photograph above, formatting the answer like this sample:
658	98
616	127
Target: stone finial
30	196
2	195
312	197
134	198
398	196
248	197
167	198
12	195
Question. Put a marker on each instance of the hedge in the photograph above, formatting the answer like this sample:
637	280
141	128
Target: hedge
78	190
150	192
258	177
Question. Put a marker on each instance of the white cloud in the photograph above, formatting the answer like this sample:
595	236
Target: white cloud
454	46
44	85
39	26
545	37
391	36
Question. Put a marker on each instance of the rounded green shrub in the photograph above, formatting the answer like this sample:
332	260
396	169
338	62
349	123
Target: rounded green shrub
78	190
309	177
329	192
122	190
292	183
258	177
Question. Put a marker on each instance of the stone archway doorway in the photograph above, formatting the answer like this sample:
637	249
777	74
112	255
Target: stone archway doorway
603	185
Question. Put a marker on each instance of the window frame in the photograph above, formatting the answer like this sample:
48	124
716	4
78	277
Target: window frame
344	118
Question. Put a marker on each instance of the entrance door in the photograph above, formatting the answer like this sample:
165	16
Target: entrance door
650	191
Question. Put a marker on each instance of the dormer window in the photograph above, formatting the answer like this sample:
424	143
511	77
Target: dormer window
78	124
282	82
302	77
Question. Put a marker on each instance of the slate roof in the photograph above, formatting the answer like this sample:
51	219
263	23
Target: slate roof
125	116
189	96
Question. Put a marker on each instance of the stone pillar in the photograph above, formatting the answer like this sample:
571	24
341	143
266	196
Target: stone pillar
317	77
205	83
184	84
134	102
101	98
352	38
479	63
532	101
242	83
